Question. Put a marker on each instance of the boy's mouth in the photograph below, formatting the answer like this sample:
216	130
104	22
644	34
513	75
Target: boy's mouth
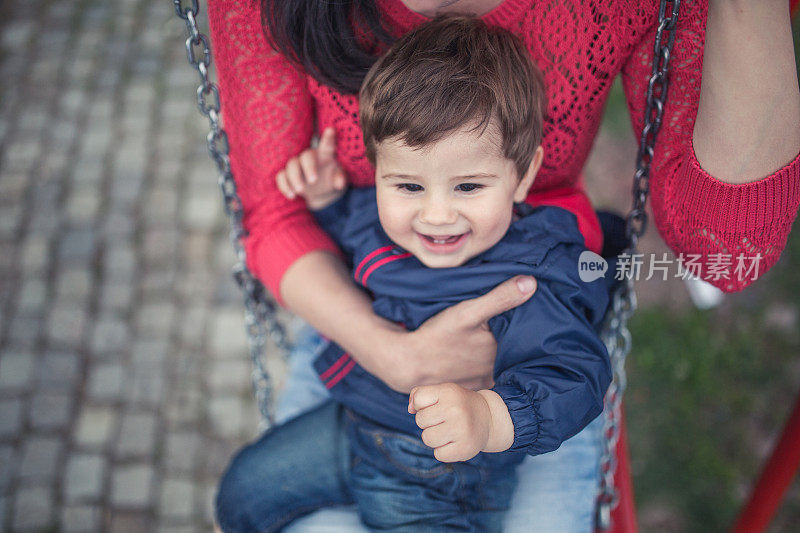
443	243
442	239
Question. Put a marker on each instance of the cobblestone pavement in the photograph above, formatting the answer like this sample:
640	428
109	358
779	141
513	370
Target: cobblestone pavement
124	377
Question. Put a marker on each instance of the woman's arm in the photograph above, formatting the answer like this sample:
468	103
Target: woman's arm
699	208
455	345
748	120
268	115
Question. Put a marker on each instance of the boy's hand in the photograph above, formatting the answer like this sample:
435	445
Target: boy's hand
314	174
458	423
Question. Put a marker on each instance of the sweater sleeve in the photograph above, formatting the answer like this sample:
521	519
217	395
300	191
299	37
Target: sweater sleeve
552	369
268	116
735	232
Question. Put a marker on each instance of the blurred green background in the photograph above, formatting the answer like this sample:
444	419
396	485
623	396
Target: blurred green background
709	391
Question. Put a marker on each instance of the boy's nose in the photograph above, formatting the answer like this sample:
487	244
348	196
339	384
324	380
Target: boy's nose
437	212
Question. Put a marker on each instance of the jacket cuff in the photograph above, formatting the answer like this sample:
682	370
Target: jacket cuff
333	213
523	415
270	256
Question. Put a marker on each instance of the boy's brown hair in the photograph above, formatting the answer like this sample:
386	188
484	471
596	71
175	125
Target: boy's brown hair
448	73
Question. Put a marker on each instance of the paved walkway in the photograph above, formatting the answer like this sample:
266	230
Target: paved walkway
124	377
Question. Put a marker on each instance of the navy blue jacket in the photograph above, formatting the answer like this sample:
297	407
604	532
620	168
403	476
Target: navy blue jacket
552	370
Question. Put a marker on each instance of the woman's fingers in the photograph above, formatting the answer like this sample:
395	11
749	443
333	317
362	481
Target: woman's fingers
505	296
456	345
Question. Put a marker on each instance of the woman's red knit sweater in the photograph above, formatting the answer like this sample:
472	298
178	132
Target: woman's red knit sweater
270	110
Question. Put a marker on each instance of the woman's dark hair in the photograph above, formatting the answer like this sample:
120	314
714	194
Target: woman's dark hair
336	41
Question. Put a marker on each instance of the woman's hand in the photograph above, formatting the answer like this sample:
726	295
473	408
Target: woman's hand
456	345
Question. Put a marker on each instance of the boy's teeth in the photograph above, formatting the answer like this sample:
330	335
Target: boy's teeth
451	238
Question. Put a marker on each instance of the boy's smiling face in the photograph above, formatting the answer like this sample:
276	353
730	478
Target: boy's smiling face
451	200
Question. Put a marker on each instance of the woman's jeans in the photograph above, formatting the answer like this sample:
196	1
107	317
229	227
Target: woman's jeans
555	491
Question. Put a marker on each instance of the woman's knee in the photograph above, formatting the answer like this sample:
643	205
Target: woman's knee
558	489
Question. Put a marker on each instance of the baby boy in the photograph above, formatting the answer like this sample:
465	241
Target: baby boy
452	121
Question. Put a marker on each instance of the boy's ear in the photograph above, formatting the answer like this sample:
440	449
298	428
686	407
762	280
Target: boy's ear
527	181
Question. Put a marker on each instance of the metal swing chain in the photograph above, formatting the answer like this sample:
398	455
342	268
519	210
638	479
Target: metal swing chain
615	332
260	312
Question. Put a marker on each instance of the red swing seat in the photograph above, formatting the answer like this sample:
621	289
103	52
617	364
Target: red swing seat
623	517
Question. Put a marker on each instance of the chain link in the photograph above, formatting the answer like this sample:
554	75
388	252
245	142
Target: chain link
615	332
260	312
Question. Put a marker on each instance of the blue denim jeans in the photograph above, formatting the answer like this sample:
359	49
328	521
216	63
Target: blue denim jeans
398	484
310	458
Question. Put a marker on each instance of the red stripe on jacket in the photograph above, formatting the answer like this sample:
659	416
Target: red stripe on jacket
369	257
341	374
382	262
334	367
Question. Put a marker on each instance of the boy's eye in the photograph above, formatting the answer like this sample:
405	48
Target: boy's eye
469	187
409	187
